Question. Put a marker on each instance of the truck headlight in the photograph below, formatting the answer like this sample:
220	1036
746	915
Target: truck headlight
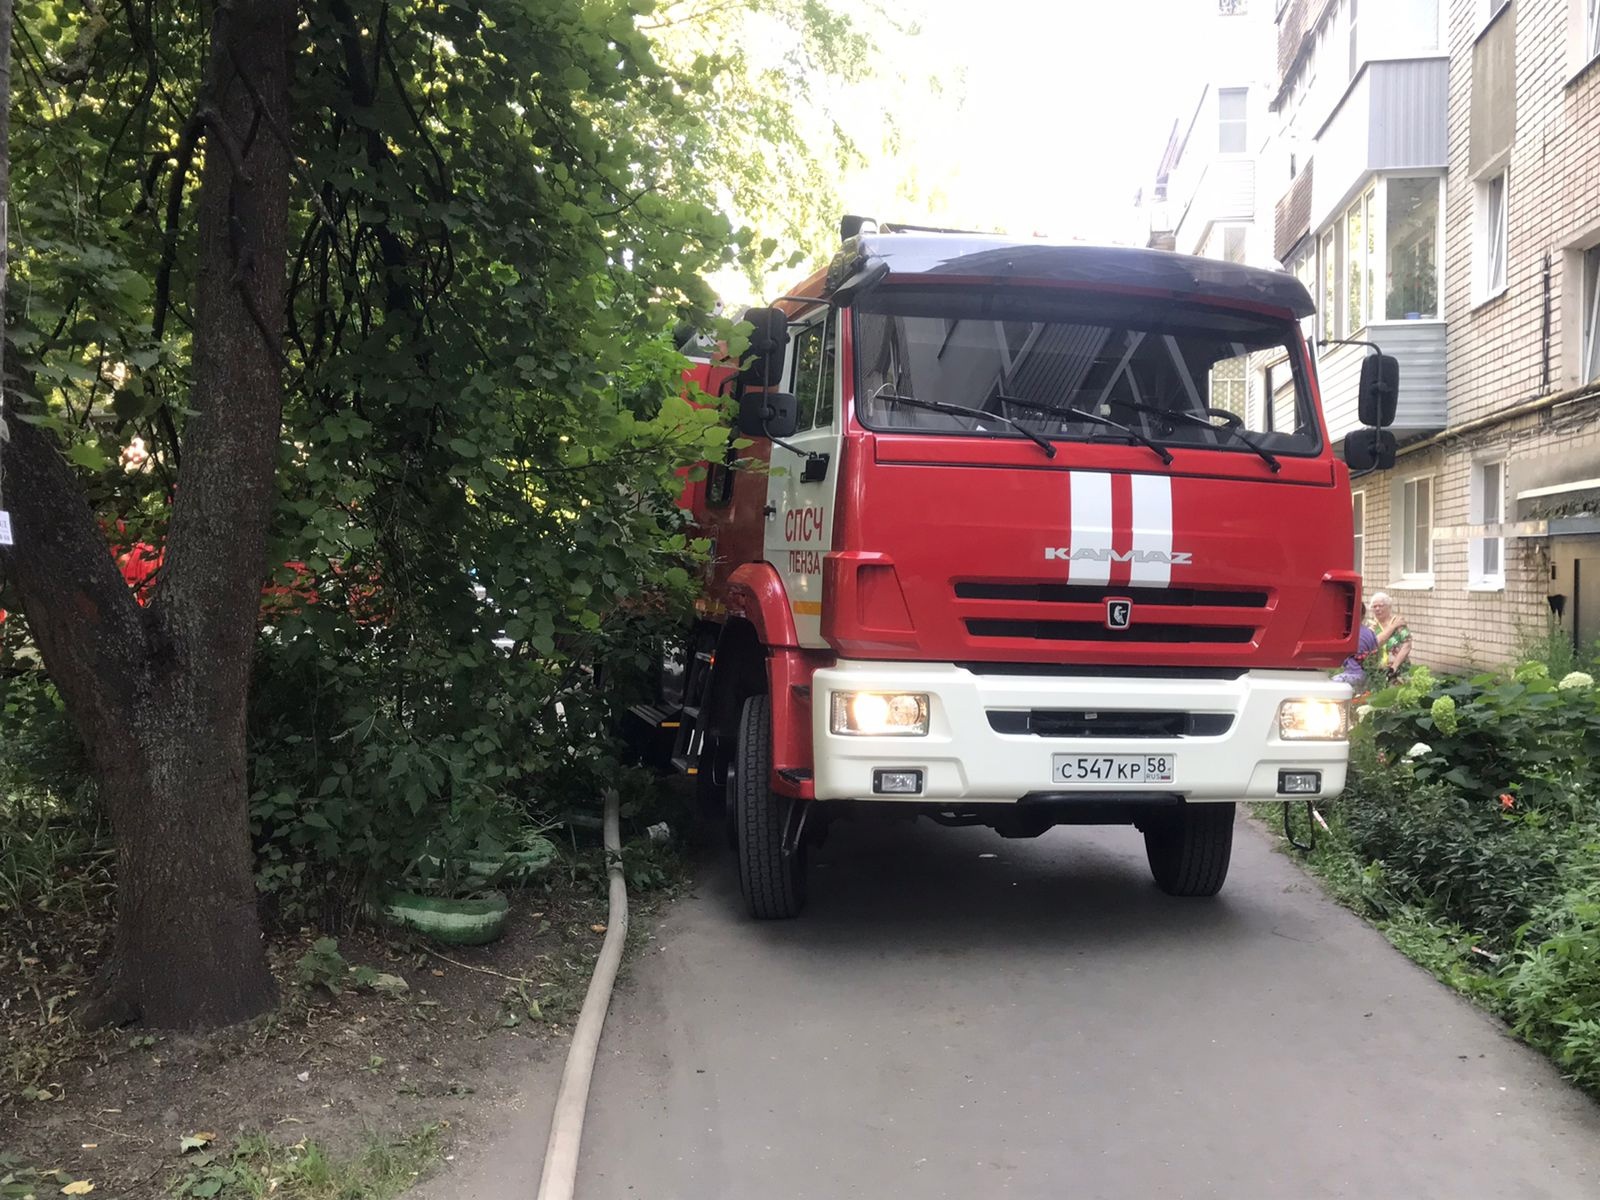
1313	720
879	714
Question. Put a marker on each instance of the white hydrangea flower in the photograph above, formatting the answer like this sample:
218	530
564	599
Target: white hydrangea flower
1418	750
1576	679
1363	712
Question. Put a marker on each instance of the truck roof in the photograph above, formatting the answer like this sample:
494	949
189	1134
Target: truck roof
999	258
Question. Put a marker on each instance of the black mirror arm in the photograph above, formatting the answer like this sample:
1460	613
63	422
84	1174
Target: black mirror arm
808	455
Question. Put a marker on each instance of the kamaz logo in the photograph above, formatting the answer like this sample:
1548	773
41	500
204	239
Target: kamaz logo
1176	558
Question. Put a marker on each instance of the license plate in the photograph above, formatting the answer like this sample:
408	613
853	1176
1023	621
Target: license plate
1114	768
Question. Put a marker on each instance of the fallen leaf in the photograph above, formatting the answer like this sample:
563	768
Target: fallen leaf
195	1141
440	974
598	928
78	1187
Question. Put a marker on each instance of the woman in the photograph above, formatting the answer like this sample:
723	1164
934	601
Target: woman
1394	639
1354	671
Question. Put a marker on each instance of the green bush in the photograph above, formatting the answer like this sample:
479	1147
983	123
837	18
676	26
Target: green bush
1469	831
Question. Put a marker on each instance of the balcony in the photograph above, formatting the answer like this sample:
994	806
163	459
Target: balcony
1391	118
1419	347
1224	191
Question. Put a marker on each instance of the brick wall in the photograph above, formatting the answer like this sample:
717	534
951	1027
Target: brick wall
1497	350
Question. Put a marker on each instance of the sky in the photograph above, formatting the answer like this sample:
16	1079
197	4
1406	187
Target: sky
1064	112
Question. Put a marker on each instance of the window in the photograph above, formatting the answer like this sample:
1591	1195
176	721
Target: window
1589	362
1413	26
1330	284
1073	367
1416	528
1358	522
1491	254
1411	249
812	385
1360	238
1282	413
1591	30
1233	243
1355	51
1228	384
1232	134
826	383
807	357
1487	568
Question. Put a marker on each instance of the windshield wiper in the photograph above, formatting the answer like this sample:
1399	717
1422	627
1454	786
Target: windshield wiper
961	410
1231	424
1081	414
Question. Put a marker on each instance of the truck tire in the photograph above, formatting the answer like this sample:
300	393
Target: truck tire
1189	849
773	883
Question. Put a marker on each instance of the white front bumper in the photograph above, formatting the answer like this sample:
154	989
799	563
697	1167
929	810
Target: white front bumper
964	759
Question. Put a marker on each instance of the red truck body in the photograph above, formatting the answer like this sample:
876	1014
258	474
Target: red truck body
899	540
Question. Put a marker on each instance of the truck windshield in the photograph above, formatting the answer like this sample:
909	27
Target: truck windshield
1076	367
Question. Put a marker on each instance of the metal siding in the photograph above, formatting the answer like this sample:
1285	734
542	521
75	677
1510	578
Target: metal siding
1393	118
1410	106
1419	346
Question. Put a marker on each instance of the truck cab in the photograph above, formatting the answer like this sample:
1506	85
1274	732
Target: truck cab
1025	535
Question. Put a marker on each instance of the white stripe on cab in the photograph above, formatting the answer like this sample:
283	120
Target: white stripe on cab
1091	527
1152	530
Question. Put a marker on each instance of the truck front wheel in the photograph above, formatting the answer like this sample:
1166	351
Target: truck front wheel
772	881
1189	849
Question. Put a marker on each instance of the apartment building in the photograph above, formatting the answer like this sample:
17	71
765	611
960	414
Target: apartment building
1437	188
1207	197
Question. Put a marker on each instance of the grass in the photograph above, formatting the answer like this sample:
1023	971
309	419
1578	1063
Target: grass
258	1167
55	909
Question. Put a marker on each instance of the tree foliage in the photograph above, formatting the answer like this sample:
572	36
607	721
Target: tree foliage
498	211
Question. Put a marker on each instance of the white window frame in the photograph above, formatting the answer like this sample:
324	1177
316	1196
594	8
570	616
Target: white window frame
1373	202
1225	122
1588	30
1588	265
1491	272
1486	509
1352	26
1242	232
1406	573
1370	268
1358	525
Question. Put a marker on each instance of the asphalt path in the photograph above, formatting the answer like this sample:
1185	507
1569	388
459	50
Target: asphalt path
958	1015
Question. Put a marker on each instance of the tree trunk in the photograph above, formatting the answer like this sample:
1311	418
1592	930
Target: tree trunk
159	694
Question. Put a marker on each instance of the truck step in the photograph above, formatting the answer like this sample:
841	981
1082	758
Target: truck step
657	716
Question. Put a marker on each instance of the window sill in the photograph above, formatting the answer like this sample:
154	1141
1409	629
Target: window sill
1483	302
1486	585
1582	73
1413	583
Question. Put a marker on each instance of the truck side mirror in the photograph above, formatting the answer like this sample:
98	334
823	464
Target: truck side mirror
1380	390
1369	450
768	414
769	342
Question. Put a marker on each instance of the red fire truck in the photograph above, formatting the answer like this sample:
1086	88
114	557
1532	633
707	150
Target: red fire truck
1023	535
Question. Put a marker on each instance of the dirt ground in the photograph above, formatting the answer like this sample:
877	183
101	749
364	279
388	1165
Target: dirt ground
113	1108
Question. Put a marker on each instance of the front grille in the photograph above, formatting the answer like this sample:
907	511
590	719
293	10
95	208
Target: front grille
1067	593
1095	631
1084	723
